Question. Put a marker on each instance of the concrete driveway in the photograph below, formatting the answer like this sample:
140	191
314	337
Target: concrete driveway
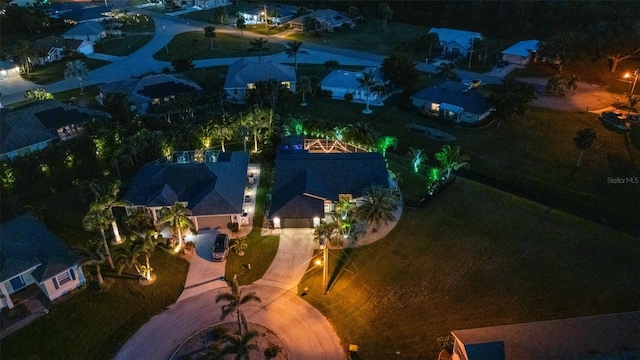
204	274
305	332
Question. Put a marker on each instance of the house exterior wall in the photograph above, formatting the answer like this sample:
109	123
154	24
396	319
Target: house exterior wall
516	59
453	47
236	95
53	288
86	48
459	351
358	94
25	150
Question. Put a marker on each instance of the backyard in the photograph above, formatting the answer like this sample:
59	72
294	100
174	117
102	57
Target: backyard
473	257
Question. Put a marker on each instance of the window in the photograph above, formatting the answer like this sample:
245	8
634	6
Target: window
286	84
63	278
435	107
251	86
17	283
235	91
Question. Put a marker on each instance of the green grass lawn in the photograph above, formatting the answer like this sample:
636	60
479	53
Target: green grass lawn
55	71
97	323
473	257
123	46
137	23
195	46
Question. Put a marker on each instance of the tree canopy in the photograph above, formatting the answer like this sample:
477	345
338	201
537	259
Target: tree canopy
400	69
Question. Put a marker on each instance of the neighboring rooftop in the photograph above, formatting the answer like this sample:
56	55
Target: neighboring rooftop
86	14
461	37
522	48
349	79
145	89
454	93
246	71
86	28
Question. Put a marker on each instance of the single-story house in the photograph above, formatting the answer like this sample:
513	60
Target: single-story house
49	49
32	254
81	46
612	336
342	82
307	185
152	89
327	19
453	101
276	15
211	4
37	125
521	52
213	189
8	70
81	15
455	41
245	73
90	31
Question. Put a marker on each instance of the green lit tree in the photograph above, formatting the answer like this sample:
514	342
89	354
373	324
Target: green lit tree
379	206
451	159
38	94
417	158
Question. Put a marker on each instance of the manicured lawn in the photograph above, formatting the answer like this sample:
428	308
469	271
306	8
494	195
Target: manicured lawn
123	46
96	323
55	71
474	257
137	23
195	46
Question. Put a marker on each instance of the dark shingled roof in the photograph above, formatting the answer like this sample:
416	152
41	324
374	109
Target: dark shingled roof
27	243
85	14
455	94
145	89
303	180
212	188
246	71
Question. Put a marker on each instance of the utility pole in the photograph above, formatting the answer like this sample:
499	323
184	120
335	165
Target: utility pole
266	25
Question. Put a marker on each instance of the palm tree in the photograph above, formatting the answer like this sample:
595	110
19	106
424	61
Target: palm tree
93	255
325	233
379	207
584	140
99	221
385	142
239	246
344	207
451	159
304	87
235	299
106	200
128	256
23	50
386	13
430	41
366	81
240	344
292	49
148	243
361	134
447	70
210	32
259	45
417	158
572	82
177	217
77	70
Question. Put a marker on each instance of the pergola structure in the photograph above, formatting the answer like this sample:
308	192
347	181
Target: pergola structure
330	146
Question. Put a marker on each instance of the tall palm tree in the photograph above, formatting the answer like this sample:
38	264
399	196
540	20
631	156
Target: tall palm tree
128	256
344	207
99	221
379	207
235	299
447	71
177	217
210	32
23	50
304	87
417	158
331	65
451	159
325	232
106	200
93	255
292	49
430	41
77	70
366	81
584	140
385	142
241	345
259	45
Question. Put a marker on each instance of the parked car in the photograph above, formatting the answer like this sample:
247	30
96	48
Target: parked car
220	248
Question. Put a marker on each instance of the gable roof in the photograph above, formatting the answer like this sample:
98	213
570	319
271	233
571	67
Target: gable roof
575	338
454	93
349	79
39	121
86	14
303	180
210	188
522	48
324	16
145	89
245	71
49	42
27	243
85	28
461	37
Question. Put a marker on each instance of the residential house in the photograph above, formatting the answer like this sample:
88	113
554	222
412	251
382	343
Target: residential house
152	89
456	42
90	31
37	125
342	82
211	4
453	101
327	20
276	14
243	74
521	52
86	14
307	185
32	255
81	46
54	48
614	336
213	189
8	70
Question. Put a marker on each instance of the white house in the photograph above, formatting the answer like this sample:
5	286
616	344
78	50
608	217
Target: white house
276	15
33	255
342	82
455	41
81	46
210	4
327	20
90	31
243	74
521	52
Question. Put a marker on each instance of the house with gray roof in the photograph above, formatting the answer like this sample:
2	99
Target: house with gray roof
521	52
32	255
152	89
455	41
452	101
37	125
243	75
213	189
307	185
90	31
326	20
342	82
610	336
86	14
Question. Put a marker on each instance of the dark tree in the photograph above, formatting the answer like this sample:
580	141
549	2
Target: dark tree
400	69
511	98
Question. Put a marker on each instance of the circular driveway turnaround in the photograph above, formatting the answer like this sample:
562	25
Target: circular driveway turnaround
305	332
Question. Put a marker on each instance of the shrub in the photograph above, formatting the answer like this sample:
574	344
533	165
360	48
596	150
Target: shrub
272	351
446	343
348	96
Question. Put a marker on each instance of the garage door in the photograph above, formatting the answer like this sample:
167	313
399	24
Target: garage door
213	222
297	223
